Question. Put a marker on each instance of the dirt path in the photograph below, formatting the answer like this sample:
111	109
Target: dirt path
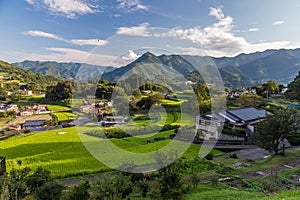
266	172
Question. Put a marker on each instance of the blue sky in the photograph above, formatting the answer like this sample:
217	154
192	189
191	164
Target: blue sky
103	31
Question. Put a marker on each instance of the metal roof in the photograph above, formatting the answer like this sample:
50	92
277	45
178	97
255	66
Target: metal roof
247	114
34	122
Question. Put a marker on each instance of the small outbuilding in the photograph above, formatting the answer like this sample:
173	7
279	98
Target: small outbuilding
34	124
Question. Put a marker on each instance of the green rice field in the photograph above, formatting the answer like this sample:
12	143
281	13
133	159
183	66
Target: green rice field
62	116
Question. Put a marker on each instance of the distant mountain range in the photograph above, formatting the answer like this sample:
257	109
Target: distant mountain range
243	70
70	71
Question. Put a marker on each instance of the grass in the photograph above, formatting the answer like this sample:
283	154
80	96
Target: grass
62	154
222	192
58	108
65	155
273	161
63	116
21	120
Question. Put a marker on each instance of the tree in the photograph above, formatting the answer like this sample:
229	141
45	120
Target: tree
169	175
137	93
251	100
293	91
3	94
156	98
270	133
79	192
149	101
17	183
202	93
112	187
62	91
36	180
270	87
50	191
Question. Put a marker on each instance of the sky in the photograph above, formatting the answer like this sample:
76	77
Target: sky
115	32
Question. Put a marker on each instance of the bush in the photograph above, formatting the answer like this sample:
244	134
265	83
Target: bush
209	156
27	131
50	191
79	192
234	155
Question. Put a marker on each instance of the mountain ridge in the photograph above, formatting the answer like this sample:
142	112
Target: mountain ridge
240	71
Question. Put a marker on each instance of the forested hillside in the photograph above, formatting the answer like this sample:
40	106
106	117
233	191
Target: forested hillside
33	81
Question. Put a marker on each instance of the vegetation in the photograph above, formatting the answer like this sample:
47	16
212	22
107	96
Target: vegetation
62	91
271	132
34	81
186	178
293	92
63	116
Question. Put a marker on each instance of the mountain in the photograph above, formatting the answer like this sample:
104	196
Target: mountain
72	71
243	70
149	65
167	70
281	66
10	74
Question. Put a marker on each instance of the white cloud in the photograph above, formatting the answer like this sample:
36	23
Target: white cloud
219	39
43	34
130	56
140	30
69	55
131	5
125	59
277	23
67	8
253	29
217	12
30	1
89	42
80	42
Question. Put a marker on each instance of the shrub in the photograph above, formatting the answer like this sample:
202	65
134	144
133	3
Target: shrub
234	155
27	131
209	156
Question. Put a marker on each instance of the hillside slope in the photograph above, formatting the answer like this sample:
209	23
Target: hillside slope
70	71
37	80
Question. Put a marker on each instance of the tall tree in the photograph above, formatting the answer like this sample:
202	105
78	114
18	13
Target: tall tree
251	100
62	91
270	133
270	87
293	92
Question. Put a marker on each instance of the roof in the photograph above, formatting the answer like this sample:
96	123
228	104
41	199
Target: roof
247	114
294	105
34	122
242	115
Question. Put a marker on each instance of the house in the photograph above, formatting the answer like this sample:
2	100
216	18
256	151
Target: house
12	107
2	105
15	127
9	93
112	121
34	124
86	108
294	105
244	119
26	113
24	92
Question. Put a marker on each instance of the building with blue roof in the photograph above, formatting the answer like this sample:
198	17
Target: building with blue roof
243	118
